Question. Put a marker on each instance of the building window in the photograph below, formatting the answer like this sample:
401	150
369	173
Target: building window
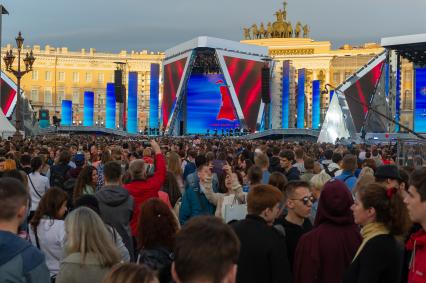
408	76
76	96
60	96
34	95
407	100
88	77
61	76
347	74
336	78
34	75
75	77
101	77
48	96
48	75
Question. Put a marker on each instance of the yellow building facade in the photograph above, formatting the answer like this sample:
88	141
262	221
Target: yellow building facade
59	74
331	66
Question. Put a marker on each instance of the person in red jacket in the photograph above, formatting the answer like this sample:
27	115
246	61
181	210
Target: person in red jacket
142	188
416	205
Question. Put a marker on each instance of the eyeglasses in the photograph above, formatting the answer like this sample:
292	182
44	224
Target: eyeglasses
306	199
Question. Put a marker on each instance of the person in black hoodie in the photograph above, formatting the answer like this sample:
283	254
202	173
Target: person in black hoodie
263	255
116	204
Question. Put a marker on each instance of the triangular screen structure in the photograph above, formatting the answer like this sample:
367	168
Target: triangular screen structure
334	125
354	98
360	94
8	95
246	76
374	122
173	73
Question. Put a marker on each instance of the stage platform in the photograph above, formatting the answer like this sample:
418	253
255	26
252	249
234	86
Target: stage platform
84	130
286	134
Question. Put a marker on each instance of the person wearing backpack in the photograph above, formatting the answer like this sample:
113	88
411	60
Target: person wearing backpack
58	172
72	176
37	183
349	165
333	167
157	228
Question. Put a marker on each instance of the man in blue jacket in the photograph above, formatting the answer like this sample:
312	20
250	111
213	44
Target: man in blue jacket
194	201
349	165
19	260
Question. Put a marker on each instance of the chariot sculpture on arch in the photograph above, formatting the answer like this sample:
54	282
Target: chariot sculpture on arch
281	28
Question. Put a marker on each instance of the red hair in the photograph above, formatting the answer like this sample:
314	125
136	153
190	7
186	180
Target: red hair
157	225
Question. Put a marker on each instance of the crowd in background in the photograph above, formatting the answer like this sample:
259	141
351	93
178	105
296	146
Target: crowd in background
104	209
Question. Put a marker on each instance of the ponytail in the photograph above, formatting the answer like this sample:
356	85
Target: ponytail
389	207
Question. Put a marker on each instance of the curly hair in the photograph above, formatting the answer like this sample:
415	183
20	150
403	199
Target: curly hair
157	225
391	211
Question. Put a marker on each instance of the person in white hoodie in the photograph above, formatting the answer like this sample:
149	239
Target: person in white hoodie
47	228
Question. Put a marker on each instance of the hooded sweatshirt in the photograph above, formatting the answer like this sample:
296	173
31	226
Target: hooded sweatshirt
417	267
116	206
329	248
20	261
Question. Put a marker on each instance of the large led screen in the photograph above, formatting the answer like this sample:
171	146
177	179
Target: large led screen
246	76
8	95
172	75
110	106
154	95
209	104
132	103
420	101
88	110
358	95
66	118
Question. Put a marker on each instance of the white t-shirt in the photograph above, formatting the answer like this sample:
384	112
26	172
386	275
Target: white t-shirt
38	185
51	237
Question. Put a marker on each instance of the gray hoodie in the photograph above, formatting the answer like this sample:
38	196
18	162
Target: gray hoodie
116	205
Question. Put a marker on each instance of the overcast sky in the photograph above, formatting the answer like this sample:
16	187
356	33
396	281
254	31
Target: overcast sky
157	25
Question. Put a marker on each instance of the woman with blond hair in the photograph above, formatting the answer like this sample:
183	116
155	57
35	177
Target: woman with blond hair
317	184
366	177
131	273
89	251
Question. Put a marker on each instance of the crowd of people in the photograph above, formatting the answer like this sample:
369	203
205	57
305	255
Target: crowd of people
104	209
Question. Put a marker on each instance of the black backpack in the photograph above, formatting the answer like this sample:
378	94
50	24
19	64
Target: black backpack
57	175
331	173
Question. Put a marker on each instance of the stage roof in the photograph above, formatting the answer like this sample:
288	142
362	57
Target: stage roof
411	47
217	43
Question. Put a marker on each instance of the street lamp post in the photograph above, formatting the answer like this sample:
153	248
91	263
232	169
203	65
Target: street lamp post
18	73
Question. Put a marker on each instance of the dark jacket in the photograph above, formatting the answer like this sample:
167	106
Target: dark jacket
116	206
293	232
292	174
20	261
380	261
329	248
263	255
274	164
58	175
159	259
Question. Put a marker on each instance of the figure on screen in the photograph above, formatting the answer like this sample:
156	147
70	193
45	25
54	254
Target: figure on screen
226	111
